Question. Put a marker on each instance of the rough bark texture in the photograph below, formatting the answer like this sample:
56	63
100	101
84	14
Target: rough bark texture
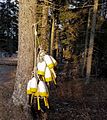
25	50
44	27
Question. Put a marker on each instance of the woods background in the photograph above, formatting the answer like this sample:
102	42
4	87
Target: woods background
72	31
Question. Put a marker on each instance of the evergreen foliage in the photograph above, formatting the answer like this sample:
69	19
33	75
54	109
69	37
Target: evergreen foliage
9	25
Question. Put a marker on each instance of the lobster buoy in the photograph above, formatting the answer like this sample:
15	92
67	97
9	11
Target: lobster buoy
28	88
33	84
42	92
31	89
43	89
48	75
54	61
48	61
41	66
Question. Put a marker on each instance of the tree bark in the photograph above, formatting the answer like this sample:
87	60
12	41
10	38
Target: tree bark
91	43
86	42
25	50
44	27
56	42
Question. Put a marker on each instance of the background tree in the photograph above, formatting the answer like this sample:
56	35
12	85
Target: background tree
44	25
8	25
86	42
91	43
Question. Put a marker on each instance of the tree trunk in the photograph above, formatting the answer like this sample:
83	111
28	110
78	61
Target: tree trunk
91	43
60	50
56	42
86	42
57	32
44	27
52	35
25	50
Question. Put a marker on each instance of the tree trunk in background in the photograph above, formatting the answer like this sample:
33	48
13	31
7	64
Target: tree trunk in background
57	31
52	35
25	50
91	43
44	27
60	49
86	42
56	42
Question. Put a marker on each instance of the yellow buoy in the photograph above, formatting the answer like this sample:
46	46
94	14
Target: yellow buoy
54	61
48	75
50	61
33	84
41	66
43	89
42	92
28	88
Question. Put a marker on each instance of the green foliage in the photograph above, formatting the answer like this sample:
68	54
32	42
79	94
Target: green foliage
68	14
9	25
72	23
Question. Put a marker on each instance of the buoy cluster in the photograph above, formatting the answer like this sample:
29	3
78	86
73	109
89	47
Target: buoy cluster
38	85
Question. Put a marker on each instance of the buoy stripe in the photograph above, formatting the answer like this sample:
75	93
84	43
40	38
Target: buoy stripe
50	65
42	94
33	89
41	72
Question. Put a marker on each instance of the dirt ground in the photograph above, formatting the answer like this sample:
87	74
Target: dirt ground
7	77
69	100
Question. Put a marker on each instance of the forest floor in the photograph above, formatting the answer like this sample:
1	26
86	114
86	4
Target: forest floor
70	100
